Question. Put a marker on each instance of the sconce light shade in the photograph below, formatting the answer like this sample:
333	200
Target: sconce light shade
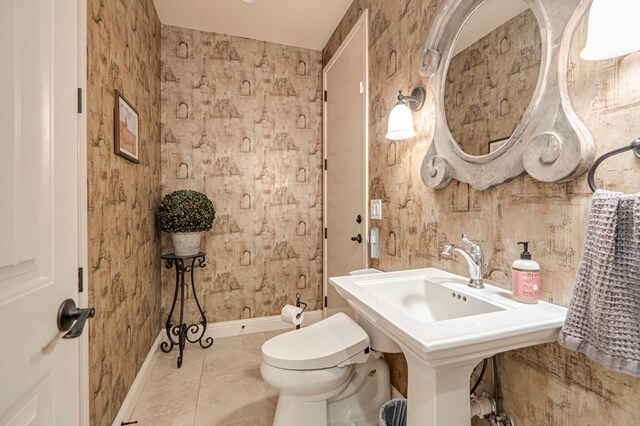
400	123
614	29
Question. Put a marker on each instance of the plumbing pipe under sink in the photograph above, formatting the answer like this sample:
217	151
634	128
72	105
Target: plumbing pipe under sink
482	406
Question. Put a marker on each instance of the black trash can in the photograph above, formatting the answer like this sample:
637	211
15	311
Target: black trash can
393	413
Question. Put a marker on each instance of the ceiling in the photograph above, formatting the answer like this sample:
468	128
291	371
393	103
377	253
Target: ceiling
301	23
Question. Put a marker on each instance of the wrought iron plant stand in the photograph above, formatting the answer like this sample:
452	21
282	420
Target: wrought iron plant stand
178	334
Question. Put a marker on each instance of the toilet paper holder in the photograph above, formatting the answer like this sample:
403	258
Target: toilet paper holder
299	303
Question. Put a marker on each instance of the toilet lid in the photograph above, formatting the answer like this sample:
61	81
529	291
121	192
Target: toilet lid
324	344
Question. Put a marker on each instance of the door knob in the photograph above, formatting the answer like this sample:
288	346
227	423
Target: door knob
357	238
72	318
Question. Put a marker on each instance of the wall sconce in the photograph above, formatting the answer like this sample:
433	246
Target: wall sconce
400	125
613	30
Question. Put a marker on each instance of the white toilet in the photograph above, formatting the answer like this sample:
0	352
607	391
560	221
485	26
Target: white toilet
328	373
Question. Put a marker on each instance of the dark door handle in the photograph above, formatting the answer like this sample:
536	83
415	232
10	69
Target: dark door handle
357	238
73	319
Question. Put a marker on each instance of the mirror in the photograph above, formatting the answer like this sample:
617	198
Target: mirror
492	75
497	70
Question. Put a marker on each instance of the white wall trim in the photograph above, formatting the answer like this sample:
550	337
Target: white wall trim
129	403
214	330
83	239
362	20
361	23
257	325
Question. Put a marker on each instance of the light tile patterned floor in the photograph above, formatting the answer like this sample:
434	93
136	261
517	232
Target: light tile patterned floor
218	386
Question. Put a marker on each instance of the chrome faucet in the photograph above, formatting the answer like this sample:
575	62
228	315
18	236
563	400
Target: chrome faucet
474	257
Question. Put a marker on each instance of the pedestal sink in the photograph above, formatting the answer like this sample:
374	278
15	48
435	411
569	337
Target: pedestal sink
445	329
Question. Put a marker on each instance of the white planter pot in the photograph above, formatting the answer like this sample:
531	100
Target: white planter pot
186	243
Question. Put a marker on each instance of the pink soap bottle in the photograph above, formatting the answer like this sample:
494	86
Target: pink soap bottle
525	276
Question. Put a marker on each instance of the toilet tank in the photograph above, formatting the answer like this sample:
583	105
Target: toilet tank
378	340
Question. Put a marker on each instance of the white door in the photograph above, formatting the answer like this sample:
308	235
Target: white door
345	147
39	371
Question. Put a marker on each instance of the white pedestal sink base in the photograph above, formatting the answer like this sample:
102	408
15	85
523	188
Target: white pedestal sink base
438	396
445	329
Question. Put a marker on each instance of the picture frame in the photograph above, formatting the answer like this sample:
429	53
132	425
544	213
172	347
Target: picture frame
126	138
497	144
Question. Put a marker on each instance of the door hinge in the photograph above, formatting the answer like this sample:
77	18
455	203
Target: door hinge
325	96
325	164
80	280
325	233
325	301
79	100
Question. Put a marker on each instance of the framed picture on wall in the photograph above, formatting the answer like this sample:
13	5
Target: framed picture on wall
497	144
126	129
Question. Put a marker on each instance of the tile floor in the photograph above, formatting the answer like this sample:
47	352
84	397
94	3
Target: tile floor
218	386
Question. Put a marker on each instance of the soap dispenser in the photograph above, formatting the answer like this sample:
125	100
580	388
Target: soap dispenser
525	276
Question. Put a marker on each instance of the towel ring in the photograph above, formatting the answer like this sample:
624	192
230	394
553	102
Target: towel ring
635	146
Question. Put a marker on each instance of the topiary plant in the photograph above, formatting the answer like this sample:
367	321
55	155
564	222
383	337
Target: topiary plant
186	211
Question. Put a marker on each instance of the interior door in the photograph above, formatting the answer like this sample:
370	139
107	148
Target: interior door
39	371
345	177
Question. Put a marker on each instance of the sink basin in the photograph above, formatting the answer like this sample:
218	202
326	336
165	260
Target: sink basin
444	329
425	302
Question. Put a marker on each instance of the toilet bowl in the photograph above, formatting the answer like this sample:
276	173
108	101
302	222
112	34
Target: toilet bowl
327	375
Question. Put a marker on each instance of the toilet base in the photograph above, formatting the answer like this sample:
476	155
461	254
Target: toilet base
356	404
362	407
292	410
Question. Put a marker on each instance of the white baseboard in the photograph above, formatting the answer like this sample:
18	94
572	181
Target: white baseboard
257	325
214	330
129	403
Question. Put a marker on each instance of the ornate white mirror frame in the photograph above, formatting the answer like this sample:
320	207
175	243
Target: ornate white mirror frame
551	143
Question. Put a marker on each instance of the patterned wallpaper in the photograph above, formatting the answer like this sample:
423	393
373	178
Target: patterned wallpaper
124	268
241	122
490	84
542	385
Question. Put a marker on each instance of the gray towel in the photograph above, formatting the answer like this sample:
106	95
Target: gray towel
603	320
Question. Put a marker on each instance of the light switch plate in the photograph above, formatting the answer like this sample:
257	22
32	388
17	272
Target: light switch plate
376	209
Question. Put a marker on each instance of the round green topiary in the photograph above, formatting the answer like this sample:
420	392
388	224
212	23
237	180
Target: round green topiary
186	211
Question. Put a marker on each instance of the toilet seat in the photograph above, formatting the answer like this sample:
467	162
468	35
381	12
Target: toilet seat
307	382
322	345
